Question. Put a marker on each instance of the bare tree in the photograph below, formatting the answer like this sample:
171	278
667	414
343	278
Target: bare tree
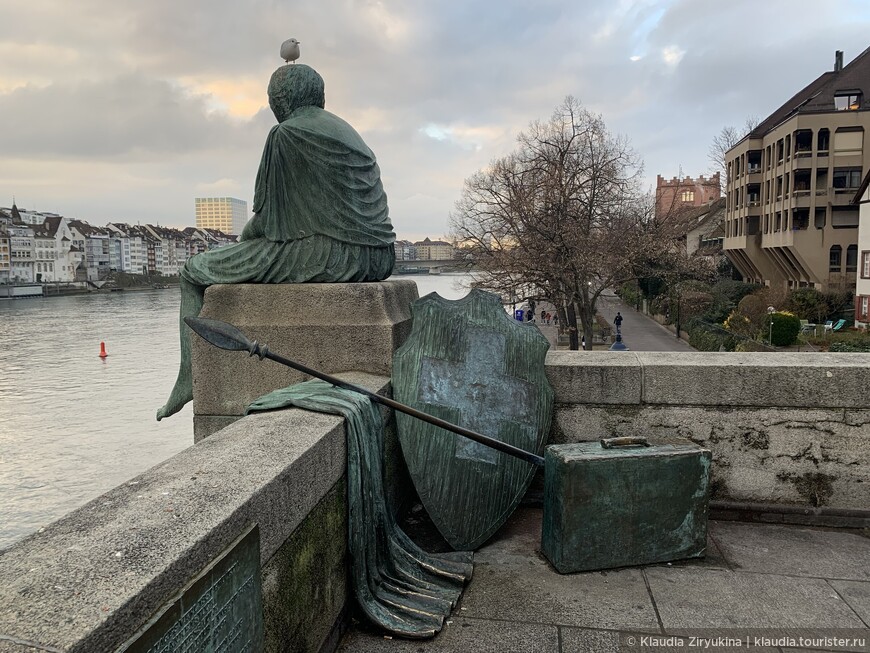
560	218
727	138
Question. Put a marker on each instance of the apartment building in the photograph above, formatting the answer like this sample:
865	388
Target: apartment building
789	220
433	250
226	214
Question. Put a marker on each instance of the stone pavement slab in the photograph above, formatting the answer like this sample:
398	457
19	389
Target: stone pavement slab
517	602
584	640
857	595
464	635
511	567
710	598
794	551
534	593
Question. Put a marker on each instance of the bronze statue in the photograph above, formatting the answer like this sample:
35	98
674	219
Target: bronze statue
320	211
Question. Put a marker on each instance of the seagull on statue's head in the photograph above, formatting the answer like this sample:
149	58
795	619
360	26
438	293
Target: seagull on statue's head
290	50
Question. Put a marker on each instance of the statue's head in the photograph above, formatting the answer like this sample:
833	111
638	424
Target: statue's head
293	86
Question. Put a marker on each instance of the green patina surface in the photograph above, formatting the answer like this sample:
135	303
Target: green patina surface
305	582
606	508
467	362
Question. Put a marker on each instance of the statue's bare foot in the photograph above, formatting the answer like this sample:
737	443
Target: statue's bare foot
177	400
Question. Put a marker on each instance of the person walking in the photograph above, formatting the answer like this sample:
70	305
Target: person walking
617	321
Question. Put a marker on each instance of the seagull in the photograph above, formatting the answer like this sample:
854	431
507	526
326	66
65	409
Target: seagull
290	50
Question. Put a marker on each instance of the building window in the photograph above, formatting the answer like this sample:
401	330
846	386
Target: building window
824	140
687	196
847	178
865	306
847	101
852	258
836	259
865	265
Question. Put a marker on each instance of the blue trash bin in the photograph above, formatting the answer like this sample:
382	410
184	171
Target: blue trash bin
518	314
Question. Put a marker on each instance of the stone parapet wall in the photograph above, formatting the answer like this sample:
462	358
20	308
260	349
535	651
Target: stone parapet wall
789	428
89	581
783	428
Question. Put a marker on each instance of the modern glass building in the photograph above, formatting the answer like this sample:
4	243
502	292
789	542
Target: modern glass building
226	214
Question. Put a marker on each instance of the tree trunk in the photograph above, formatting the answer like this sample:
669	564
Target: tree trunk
571	322
587	318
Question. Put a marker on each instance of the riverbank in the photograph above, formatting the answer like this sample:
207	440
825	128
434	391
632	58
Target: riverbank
53	290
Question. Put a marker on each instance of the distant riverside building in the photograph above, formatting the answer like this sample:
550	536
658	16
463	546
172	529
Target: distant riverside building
790	216
405	250
48	248
433	250
5	266
678	194
226	214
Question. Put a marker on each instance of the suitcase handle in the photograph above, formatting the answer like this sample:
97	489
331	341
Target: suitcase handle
631	441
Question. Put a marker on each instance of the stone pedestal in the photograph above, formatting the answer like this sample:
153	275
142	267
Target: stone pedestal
333	327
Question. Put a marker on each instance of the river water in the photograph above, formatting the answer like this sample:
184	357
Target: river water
73	425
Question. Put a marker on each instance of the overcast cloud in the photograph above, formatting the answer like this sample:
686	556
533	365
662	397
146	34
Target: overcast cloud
115	110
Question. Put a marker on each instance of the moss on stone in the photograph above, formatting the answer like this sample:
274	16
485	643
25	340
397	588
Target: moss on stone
305	583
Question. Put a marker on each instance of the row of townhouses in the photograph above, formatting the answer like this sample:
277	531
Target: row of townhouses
38	247
423	250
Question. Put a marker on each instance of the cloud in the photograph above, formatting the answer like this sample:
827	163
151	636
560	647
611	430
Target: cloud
131	116
672	55
115	108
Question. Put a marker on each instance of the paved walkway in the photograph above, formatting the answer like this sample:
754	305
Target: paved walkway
790	581
639	332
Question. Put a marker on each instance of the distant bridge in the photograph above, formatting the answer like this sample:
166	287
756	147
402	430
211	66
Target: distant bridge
434	264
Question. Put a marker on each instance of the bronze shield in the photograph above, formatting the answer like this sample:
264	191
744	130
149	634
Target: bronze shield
468	362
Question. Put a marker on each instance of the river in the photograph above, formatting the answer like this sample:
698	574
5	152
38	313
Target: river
73	425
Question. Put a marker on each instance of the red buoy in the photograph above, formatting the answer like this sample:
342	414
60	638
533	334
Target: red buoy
103	353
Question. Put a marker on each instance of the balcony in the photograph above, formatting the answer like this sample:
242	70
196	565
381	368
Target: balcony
841	196
801	198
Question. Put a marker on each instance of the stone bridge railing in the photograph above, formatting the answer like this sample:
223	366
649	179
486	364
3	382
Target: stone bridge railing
786	429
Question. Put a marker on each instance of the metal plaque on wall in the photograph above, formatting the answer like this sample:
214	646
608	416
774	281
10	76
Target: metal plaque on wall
219	611
468	362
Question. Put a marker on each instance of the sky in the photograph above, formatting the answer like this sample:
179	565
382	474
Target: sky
112	110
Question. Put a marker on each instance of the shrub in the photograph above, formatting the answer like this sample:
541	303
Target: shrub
808	304
629	293
738	323
849	347
846	341
785	329
751	345
704	340
694	303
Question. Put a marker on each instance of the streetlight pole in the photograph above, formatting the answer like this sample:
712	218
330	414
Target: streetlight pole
770	311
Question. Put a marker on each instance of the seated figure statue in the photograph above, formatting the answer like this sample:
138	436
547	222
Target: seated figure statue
320	211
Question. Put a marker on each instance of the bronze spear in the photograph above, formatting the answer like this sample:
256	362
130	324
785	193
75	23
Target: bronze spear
226	336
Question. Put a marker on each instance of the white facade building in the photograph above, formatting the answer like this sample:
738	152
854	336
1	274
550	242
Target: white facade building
21	253
862	285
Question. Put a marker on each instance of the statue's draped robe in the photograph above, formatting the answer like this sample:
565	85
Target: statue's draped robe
400	587
320	216
320	211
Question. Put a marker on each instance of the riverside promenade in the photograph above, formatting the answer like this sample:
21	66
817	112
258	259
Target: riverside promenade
639	332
